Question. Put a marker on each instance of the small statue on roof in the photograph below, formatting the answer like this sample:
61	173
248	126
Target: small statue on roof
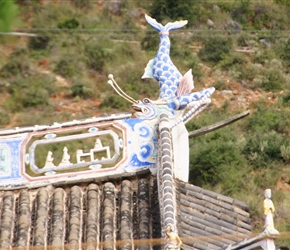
269	211
174	242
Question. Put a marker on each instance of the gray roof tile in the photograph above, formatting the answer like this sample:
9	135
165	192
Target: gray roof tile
210	193
205	213
194	194
241	205
244	225
193	188
210	242
229	212
242	213
91	214
192	200
225	199
212	213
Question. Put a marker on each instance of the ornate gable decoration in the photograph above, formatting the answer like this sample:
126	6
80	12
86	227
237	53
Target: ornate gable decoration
109	145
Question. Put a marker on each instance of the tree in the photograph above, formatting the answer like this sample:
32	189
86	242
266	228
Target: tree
215	49
175	10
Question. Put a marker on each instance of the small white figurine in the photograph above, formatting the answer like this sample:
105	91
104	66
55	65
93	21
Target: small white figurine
49	160
269	211
65	157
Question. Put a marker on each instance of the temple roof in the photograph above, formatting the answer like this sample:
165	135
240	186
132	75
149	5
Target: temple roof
134	201
85	214
118	212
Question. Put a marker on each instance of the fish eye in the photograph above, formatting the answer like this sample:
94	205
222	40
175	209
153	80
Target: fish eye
146	100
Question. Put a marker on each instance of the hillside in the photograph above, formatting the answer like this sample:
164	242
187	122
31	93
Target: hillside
57	71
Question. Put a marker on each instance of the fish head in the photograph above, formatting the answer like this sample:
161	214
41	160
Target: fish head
145	109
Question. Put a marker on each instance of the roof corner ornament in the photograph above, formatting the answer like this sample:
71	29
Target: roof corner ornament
269	211
175	99
175	90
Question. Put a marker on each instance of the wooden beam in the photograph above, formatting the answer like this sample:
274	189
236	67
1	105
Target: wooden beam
217	125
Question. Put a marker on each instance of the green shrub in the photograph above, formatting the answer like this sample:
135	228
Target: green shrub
264	56
285	99
244	40
81	90
254	73
97	55
266	119
129	25
33	97
114	102
150	42
274	81
242	11
44	114
132	83
30	91
262	149
196	69
69	24
4	118
124	51
263	16
217	160
21	100
50	15
65	68
39	42
212	116
182	56
225	6
14	67
284	52
215	50
229	60
259	15
70	65
220	85
285	152
175	10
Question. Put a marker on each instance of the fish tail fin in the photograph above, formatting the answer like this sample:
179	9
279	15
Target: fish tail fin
169	26
175	25
158	26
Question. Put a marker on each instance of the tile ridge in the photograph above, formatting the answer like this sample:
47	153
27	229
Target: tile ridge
166	186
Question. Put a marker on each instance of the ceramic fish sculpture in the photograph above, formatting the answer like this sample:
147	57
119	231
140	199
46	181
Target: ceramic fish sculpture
175	89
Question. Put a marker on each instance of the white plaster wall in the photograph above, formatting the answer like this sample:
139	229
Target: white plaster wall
180	146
